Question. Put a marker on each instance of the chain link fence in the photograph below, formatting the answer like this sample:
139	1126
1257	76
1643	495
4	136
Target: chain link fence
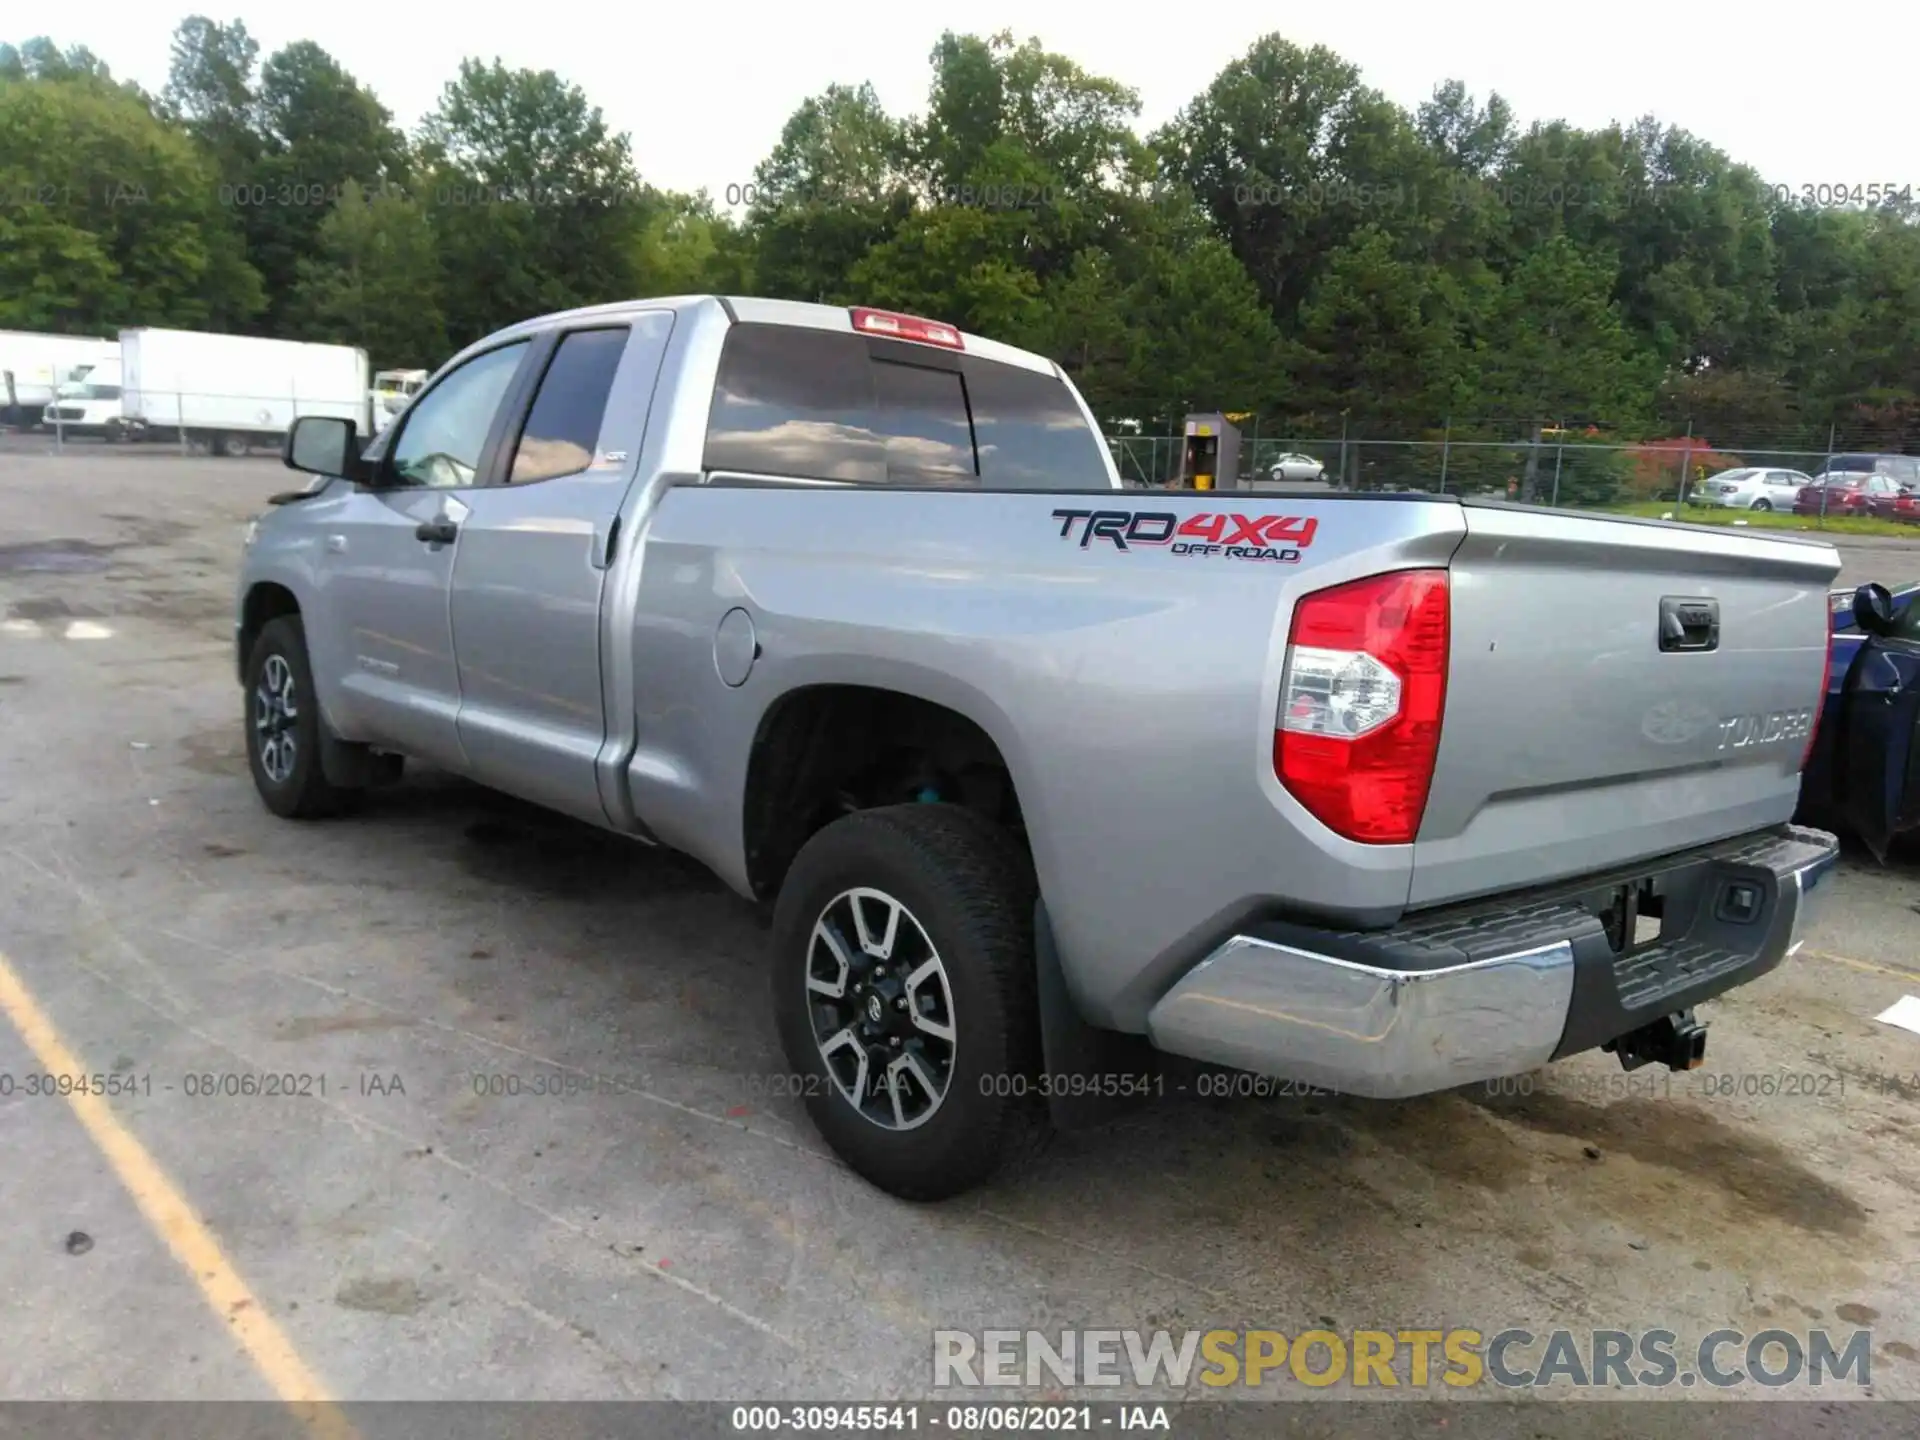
1581	468
83	418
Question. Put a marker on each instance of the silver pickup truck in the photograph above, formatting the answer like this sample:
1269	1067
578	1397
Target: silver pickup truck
1042	777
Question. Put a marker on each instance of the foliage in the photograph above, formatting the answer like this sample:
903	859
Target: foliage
1291	243
534	202
111	216
374	281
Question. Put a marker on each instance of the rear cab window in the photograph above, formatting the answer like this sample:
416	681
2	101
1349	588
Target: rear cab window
811	404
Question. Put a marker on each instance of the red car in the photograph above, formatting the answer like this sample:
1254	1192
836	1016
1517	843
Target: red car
1852	493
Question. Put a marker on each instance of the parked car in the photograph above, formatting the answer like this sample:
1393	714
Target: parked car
1904	469
1853	493
1754	488
851	607
1863	774
1296	467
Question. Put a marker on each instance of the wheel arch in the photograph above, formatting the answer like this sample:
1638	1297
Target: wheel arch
830	748
265	600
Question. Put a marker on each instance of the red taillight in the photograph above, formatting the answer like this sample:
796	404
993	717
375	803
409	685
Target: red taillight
907	327
1360	704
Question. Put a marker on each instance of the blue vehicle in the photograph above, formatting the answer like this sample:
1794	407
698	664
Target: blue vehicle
1862	776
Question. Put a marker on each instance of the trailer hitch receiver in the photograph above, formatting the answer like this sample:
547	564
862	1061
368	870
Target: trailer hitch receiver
1678	1041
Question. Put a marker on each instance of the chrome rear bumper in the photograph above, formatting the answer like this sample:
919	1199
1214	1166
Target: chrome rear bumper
1391	1030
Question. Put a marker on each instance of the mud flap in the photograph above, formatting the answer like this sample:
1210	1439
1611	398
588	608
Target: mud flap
1079	1057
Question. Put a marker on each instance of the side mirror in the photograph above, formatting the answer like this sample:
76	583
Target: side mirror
324	445
1873	609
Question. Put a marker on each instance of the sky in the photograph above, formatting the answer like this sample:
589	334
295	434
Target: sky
1809	96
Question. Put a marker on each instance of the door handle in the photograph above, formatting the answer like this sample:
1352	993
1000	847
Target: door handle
437	532
606	541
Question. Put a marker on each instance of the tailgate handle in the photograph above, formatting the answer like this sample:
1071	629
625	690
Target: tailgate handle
1689	623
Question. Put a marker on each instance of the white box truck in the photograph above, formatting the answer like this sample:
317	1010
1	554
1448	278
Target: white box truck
224	393
33	366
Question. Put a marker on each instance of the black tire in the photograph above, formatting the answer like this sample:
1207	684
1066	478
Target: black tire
1762	505
969	887
299	791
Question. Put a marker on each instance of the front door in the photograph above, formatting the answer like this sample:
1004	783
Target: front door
1877	752
532	566
387	566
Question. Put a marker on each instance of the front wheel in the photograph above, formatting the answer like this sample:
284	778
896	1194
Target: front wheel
903	977
284	725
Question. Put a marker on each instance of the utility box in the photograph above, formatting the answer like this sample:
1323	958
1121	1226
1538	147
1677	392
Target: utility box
1209	454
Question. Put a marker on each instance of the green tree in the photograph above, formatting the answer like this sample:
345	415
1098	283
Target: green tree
1383	338
689	248
210	90
1207	344
41	59
374	281
1472	138
833	188
1555	349
1290	154
1030	136
123	224
318	129
534	201
951	263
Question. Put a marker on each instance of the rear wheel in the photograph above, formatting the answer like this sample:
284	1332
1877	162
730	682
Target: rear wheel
904	993
1762	504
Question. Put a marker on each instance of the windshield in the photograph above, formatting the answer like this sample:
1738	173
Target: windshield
89	392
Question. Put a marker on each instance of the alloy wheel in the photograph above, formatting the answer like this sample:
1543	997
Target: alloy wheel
881	1007
275	719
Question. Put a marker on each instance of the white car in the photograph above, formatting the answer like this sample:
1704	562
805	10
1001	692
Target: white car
1753	488
1296	467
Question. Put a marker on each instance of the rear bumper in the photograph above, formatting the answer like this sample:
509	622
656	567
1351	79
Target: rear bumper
1492	988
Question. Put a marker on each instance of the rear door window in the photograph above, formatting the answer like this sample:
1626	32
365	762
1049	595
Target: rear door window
562	432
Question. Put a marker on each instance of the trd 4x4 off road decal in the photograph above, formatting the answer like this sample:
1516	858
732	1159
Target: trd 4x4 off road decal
1232	537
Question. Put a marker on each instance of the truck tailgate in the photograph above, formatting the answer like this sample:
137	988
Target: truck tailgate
1573	738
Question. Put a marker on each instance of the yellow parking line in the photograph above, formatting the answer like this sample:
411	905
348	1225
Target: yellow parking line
174	1220
1911	977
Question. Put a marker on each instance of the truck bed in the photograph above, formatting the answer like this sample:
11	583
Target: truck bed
1134	687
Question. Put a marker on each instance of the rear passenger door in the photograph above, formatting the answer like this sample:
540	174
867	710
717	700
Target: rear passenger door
533	559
